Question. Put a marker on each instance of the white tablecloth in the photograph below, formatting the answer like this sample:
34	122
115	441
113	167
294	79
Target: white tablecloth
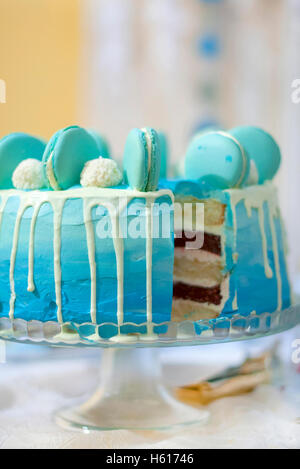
36	381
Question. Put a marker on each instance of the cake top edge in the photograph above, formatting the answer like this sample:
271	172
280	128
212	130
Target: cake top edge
182	188
87	193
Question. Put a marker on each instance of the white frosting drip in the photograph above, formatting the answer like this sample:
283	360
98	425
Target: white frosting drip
114	213
13	256
235	303
90	237
149	242
31	285
57	219
119	250
4	199
276	261
255	198
92	197
253	175
261	220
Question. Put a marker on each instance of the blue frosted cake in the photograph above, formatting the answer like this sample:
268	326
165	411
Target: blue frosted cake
82	243
82	254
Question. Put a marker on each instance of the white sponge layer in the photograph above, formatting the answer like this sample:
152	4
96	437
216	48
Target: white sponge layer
102	172
29	175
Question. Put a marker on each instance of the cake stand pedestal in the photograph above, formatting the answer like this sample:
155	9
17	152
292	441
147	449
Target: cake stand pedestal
131	396
131	393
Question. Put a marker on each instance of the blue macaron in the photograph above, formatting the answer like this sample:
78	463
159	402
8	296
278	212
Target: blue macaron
218	159
263	151
141	162
103	145
14	148
164	152
65	156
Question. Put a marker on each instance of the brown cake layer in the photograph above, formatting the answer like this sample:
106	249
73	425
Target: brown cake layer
212	242
196	293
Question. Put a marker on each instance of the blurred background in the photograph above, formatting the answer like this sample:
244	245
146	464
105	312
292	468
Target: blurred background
176	65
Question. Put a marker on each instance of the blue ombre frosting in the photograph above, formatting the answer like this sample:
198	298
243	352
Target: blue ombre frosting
250	288
42	304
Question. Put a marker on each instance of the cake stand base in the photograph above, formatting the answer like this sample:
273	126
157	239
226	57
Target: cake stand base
131	396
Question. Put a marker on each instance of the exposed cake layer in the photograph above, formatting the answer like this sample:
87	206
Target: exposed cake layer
197	267
187	310
244	247
214	212
211	242
210	295
190	301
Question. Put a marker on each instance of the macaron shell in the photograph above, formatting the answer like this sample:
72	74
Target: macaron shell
154	173
52	142
164	152
50	147
135	161
217	159
104	149
261	148
15	148
70	148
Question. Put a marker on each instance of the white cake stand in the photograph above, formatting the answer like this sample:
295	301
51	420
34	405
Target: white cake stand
131	394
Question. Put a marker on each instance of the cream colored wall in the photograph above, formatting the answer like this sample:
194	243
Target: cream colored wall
134	73
39	42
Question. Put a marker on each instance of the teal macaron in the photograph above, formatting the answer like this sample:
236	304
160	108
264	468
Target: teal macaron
164	152
14	148
103	145
263	151
142	158
65	156
218	159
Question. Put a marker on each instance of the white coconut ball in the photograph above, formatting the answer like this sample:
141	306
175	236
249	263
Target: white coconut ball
29	175
102	172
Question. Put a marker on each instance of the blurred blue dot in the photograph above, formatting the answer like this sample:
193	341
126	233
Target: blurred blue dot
209	45
205	124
